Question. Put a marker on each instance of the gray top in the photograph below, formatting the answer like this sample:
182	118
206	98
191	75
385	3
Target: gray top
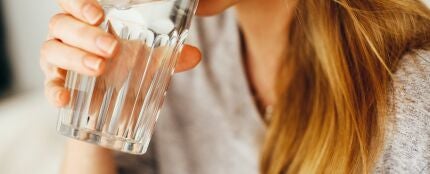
407	144
210	124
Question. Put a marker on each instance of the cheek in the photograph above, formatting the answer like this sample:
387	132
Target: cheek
213	7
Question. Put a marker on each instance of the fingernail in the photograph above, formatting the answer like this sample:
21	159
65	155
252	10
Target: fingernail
92	14
92	63
106	43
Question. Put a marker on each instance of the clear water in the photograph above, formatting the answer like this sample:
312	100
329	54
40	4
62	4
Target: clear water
119	109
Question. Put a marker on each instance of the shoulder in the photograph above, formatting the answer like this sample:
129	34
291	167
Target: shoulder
407	142
411	84
411	93
413	67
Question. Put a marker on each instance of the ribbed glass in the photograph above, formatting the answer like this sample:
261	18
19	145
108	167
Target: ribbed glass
119	109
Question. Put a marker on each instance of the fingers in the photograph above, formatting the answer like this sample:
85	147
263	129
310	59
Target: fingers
58	54
75	33
88	11
188	59
51	71
56	93
66	57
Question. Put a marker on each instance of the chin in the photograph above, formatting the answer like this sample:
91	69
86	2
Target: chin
213	7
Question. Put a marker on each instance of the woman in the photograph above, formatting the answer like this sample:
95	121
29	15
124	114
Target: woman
333	86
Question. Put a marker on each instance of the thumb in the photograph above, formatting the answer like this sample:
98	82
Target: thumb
188	59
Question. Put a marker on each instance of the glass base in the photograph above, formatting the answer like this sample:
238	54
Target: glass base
107	141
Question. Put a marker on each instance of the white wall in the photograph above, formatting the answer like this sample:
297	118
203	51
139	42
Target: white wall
26	23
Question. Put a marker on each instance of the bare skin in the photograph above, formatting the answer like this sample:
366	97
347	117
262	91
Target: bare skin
264	45
76	43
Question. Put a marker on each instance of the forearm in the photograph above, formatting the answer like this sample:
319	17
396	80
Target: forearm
84	158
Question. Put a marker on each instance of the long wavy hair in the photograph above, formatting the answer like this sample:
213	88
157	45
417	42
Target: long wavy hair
335	81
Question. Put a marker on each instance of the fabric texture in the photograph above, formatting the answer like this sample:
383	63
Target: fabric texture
407	143
210	124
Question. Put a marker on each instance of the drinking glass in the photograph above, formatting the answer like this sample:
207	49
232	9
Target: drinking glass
119	109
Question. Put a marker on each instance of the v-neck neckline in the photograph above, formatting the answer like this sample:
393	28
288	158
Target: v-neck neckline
239	43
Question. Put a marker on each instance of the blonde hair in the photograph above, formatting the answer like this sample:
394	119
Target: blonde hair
334	83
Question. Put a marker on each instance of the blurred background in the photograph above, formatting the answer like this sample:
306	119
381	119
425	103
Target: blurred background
29	142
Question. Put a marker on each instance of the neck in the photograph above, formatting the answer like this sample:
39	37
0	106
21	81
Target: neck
265	23
265	29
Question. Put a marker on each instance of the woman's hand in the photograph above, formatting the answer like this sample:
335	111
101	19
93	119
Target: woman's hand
76	43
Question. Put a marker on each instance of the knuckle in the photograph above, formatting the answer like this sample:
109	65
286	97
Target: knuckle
82	57
44	50
50	95
83	31
55	21
43	63
48	88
